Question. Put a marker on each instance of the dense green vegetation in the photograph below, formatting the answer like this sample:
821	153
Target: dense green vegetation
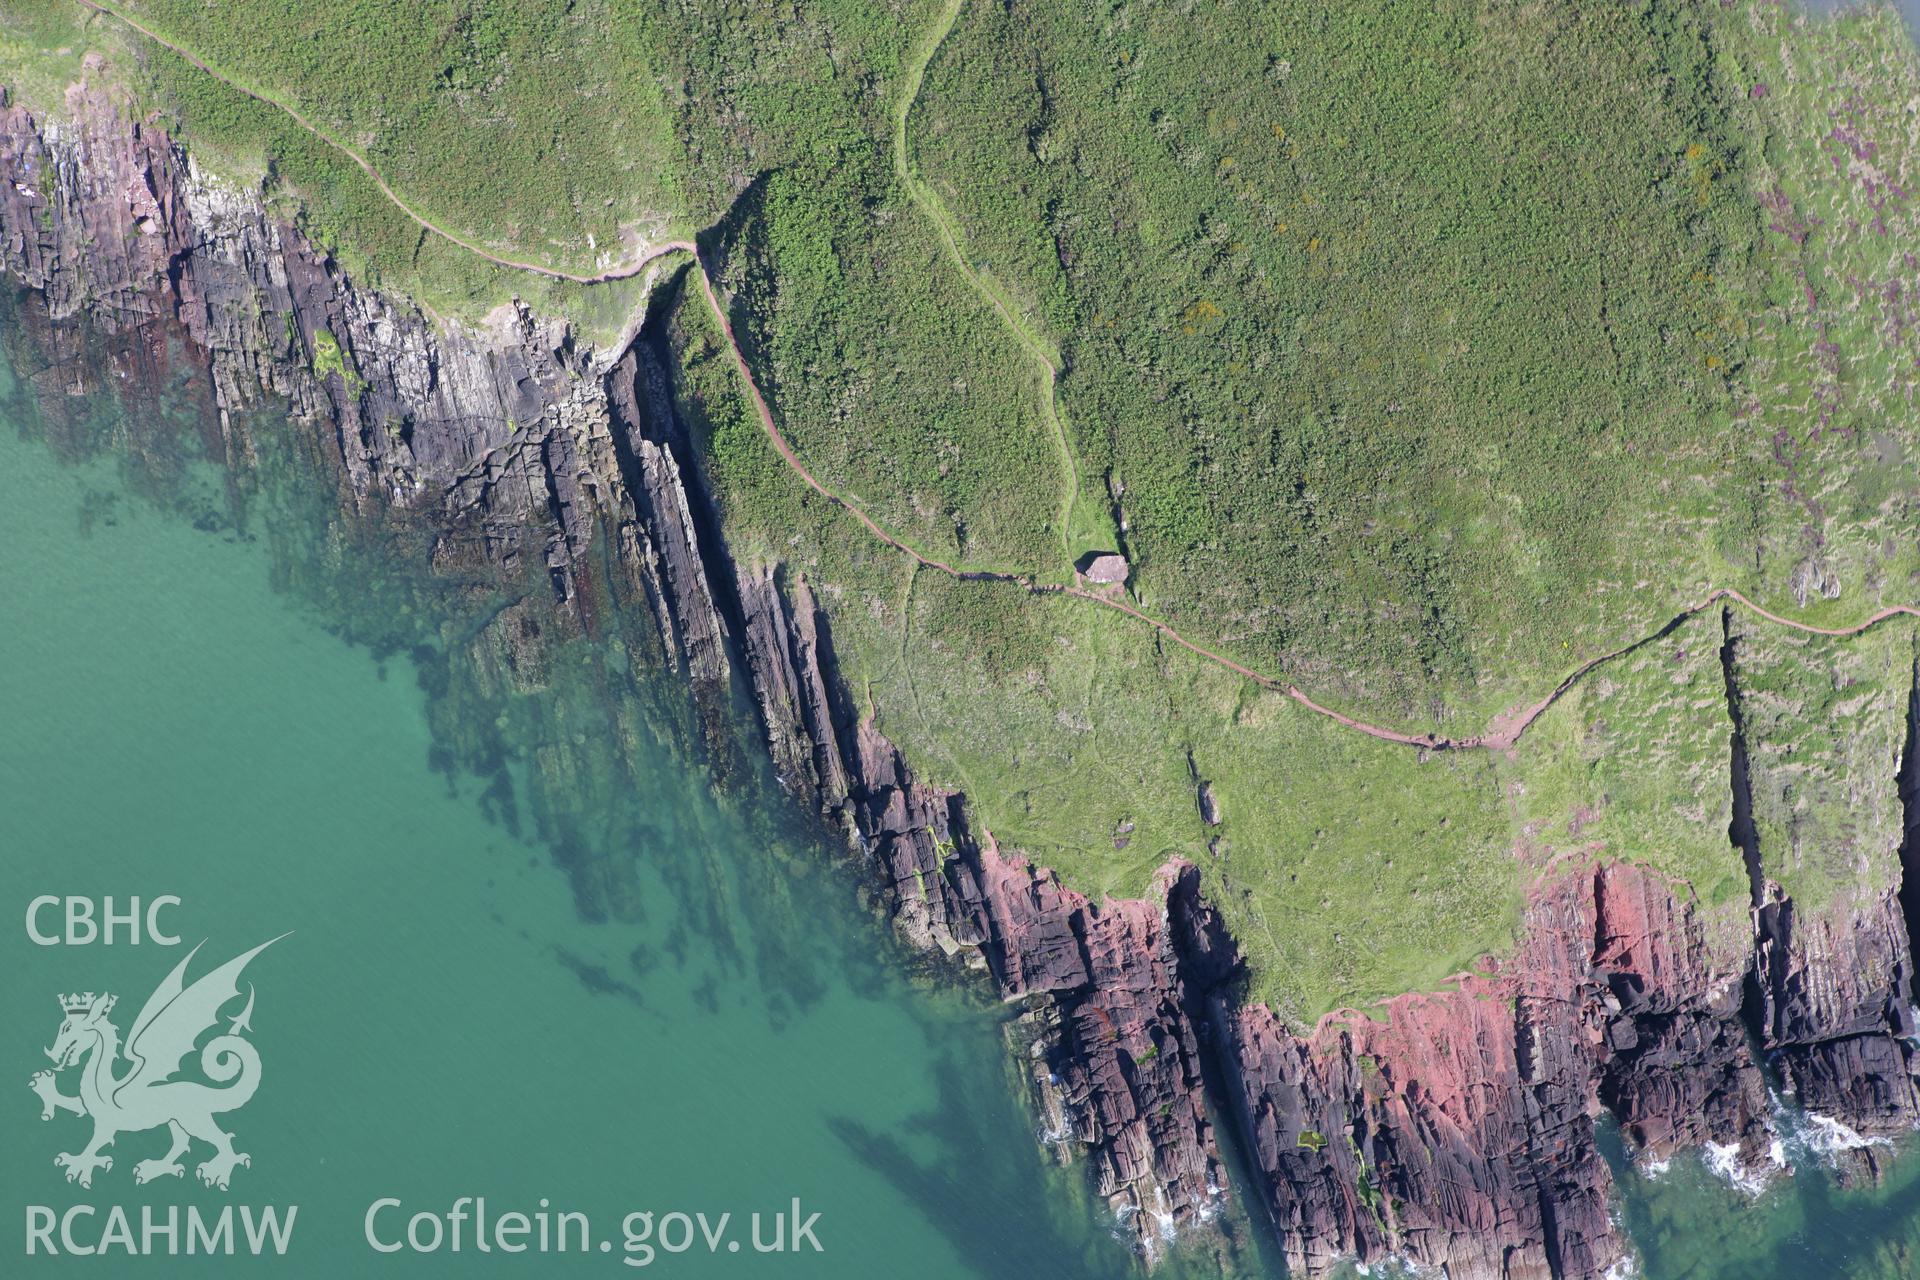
312	183
41	46
1825	724
1827	507
1635	764
1376	324
531	128
899	385
1081	740
1423	350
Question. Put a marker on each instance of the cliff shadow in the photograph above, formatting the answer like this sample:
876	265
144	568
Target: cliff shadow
1909	785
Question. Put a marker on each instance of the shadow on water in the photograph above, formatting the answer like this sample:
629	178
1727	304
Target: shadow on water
1689	1224
987	1206
982	1215
714	914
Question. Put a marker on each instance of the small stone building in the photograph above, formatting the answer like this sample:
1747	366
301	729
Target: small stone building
1104	567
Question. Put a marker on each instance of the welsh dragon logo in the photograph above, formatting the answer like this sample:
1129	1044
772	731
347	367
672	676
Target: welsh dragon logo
145	1095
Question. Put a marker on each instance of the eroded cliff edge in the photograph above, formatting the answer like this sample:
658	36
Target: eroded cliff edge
537	458
1456	1129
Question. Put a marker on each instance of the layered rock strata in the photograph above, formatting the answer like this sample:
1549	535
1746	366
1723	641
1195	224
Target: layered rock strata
1457	1130
526	444
1117	1064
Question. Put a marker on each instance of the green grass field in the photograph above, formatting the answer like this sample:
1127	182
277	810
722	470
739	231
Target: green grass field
537	130
1375	324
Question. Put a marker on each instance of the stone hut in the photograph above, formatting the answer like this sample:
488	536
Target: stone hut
1104	567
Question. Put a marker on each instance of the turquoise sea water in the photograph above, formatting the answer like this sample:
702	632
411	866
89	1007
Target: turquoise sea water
1691	1225
722	1031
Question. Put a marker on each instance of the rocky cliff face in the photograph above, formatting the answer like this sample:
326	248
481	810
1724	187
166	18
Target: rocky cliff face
1820	750
1835	1013
1116	1061
518	437
1457	1130
525	446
